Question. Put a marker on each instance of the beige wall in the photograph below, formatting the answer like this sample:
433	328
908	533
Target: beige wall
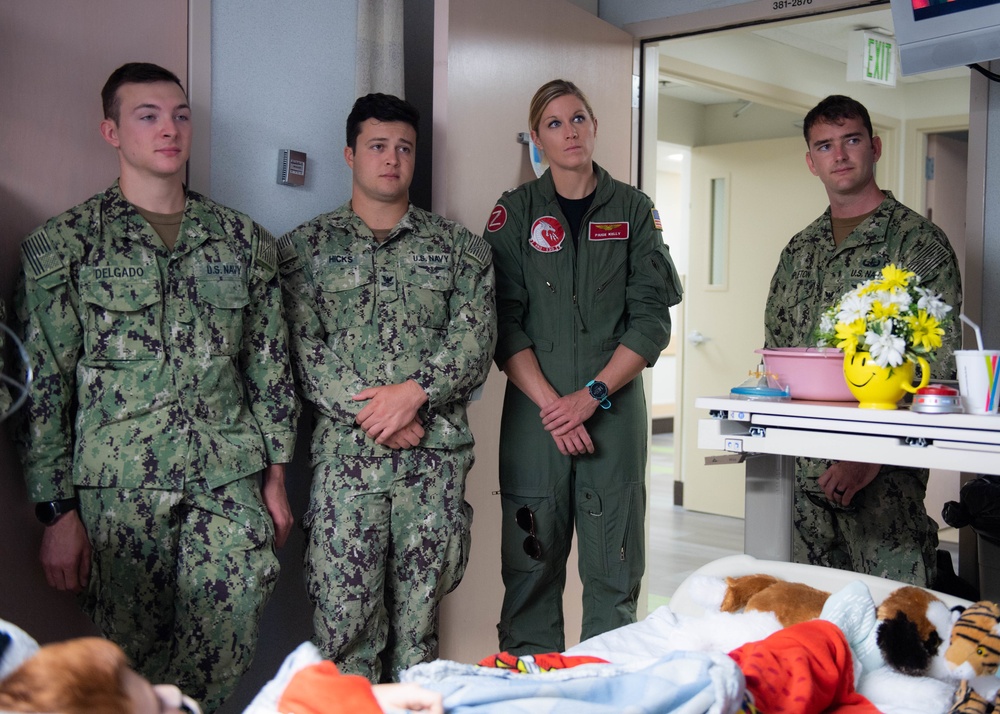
489	59
55	56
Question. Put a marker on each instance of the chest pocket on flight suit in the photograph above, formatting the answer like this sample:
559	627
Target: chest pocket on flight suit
221	304
122	318
344	296
426	292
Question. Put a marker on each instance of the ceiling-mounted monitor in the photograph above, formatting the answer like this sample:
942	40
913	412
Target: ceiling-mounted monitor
936	34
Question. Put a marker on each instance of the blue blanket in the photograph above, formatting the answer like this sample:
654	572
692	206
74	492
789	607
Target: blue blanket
680	682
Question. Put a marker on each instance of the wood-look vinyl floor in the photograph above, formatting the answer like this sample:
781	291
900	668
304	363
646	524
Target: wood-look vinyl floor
680	541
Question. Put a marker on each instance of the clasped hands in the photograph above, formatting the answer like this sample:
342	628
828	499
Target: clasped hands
564	418
390	416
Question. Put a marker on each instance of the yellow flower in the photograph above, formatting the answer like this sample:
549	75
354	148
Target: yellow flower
847	335
882	311
926	331
893	277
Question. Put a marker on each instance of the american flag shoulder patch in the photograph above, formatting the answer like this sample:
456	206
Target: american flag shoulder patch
479	250
657	224
40	256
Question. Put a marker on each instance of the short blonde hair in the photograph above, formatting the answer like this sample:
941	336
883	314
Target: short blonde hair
73	677
553	90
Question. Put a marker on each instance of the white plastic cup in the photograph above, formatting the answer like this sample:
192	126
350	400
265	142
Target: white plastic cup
978	377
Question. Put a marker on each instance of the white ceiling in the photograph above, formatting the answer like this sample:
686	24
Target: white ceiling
826	37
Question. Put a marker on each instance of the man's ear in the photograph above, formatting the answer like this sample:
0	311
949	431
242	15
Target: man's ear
809	163
349	156
876	147
109	130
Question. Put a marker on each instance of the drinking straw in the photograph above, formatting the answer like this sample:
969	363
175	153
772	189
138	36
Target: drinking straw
975	327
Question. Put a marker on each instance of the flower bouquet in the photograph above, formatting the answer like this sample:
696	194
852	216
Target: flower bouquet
892	318
885	327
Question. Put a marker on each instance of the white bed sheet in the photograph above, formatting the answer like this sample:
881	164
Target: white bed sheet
685	624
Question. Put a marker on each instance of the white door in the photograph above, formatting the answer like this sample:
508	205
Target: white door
760	194
489	59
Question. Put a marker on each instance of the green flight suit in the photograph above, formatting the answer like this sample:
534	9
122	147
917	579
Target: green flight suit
885	531
573	305
162	387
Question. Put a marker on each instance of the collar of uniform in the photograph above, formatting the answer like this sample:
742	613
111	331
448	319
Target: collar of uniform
345	218
879	219
605	186
192	233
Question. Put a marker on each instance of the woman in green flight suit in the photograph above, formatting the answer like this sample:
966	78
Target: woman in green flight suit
584	283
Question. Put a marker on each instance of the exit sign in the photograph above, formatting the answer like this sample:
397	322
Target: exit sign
872	57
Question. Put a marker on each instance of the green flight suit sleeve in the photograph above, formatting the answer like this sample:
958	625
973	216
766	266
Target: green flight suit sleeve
462	362
653	287
511	293
264	357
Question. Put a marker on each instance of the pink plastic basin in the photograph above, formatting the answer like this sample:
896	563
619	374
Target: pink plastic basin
813	373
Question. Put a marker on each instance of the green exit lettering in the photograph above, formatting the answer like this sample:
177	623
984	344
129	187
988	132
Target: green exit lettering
879	62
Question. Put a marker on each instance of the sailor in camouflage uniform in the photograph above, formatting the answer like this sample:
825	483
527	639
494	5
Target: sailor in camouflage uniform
152	316
391	320
853	516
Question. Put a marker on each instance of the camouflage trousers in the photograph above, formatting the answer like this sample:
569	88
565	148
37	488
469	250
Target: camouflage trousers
885	531
179	580
387	539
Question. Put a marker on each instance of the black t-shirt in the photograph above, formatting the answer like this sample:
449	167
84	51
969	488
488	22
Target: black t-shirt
573	209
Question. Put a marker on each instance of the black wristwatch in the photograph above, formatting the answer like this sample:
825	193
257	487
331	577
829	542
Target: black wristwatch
48	512
599	391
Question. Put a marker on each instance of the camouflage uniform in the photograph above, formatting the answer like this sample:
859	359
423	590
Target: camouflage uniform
573	305
388	530
885	530
162	386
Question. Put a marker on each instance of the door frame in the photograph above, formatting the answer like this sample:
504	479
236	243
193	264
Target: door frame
199	90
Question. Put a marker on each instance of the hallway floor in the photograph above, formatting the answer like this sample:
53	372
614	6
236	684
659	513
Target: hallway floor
680	541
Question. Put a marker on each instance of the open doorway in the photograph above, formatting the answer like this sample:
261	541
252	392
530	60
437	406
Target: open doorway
730	104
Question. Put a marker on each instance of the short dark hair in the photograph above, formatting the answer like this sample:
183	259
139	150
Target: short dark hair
382	107
835	109
132	73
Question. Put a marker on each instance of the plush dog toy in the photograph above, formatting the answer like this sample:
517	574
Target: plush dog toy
912	625
790	602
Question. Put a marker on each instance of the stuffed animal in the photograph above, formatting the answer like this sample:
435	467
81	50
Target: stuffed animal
973	656
912	625
790	602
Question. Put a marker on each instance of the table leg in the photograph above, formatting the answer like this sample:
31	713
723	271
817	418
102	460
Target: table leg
767	530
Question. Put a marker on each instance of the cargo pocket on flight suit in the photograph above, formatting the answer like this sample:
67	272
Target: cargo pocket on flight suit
122	320
513	553
608	529
221	309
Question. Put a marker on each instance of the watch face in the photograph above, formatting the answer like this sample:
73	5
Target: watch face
598	390
46	512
